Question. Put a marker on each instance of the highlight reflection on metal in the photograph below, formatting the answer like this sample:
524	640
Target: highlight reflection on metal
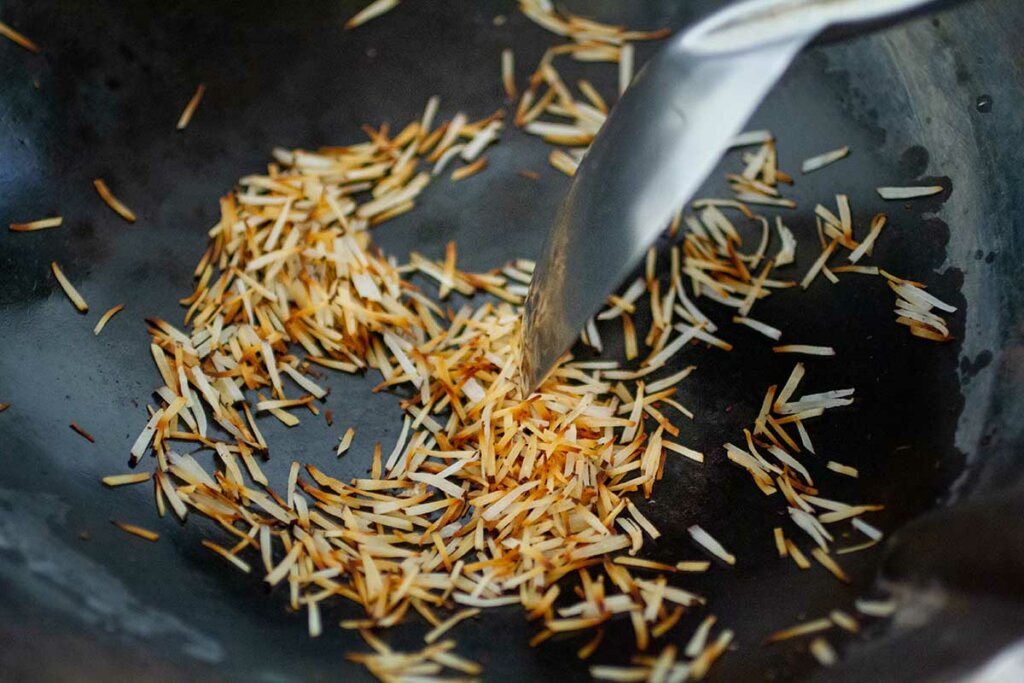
658	145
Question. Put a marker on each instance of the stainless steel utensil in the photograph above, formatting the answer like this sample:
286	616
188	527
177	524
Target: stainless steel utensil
658	145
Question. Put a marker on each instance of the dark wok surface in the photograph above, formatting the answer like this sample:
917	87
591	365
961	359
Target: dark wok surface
933	424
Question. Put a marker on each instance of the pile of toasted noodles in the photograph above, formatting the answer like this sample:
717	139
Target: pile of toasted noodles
490	496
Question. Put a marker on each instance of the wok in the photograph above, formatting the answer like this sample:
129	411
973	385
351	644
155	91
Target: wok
936	432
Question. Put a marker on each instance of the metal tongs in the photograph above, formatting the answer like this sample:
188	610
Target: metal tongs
659	144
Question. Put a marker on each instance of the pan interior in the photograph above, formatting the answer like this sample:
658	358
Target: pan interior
102	102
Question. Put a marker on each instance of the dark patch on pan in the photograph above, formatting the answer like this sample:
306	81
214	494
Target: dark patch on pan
970	368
